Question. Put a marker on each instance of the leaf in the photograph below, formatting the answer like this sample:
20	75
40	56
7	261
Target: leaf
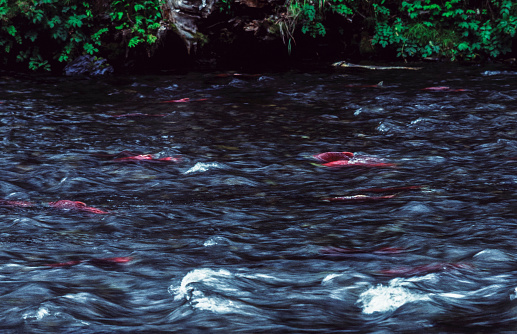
75	21
11	30
31	35
89	48
139	7
151	39
134	41
463	46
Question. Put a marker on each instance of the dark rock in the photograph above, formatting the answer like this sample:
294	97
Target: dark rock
88	65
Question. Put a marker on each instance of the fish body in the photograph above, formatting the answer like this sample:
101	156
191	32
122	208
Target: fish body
16	204
333	156
146	157
64	264
103	261
183	100
76	205
348	159
356	163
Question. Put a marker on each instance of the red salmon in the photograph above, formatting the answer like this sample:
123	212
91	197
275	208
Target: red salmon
351	163
139	115
333	156
18	204
75	205
104	261
146	157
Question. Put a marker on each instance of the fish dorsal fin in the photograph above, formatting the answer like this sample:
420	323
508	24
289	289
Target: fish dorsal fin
380	84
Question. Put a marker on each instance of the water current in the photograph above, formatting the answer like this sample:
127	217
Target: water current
242	230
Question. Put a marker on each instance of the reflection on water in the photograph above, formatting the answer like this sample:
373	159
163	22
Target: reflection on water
217	218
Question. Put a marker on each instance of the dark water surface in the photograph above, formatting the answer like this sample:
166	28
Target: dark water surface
236	237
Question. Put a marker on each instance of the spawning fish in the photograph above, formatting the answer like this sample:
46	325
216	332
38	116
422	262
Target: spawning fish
333	156
348	159
146	157
357	163
17	204
76	205
104	261
186	99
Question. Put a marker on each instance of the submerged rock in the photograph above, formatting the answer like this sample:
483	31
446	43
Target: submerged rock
88	65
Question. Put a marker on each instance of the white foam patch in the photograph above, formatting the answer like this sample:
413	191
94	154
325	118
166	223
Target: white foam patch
204	275
201	167
41	313
213	304
216	240
329	278
383	298
81	297
197	287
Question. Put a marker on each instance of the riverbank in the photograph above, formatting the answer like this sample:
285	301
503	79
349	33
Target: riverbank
143	35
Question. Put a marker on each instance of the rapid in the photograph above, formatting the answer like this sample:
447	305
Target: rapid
193	203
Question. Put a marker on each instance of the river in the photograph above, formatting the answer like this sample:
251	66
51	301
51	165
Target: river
205	210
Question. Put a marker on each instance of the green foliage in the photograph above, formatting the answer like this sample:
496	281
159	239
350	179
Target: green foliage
456	29
43	33
40	33
57	27
140	19
310	16
226	7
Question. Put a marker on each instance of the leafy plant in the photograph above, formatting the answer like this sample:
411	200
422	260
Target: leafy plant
226	6
63	28
451	29
309	16
138	19
42	33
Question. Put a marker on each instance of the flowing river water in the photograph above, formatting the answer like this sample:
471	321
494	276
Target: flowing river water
236	233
